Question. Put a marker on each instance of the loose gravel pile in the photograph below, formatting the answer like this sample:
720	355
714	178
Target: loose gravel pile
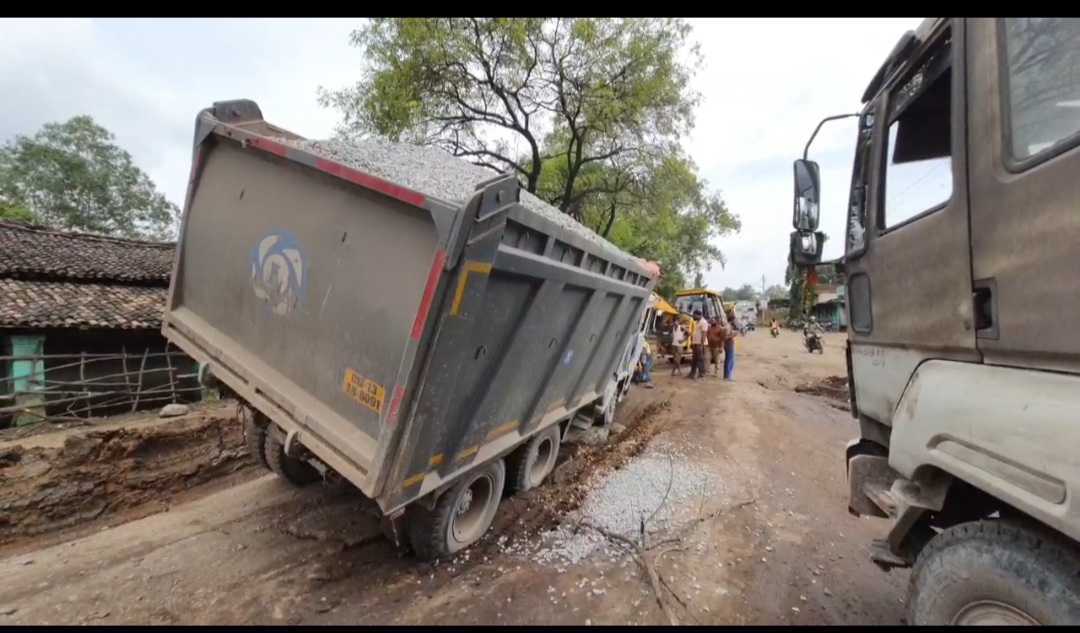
431	172
650	487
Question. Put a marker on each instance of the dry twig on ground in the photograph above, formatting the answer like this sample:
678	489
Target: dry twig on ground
647	565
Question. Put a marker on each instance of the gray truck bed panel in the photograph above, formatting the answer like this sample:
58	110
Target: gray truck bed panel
405	338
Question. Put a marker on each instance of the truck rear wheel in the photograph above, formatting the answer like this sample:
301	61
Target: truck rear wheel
992	573
255	435
530	464
293	470
462	515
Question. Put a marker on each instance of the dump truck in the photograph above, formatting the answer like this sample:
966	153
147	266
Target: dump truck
962	213
396	317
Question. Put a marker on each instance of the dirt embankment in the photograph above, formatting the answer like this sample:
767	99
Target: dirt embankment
96	474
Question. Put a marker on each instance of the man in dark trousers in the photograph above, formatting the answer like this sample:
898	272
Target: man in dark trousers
698	340
729	347
715	338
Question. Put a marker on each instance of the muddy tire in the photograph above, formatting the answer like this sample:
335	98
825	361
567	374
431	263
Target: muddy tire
293	470
462	515
255	436
530	464
995	572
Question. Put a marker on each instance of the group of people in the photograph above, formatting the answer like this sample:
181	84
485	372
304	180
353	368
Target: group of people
709	336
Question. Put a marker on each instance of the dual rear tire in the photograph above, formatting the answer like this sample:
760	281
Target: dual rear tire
266	449
465	512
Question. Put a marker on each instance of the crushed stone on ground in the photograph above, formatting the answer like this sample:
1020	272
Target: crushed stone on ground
649	487
433	172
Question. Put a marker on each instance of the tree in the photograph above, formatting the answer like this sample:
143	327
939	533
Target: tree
776	291
17	213
801	295
72	175
699	280
745	292
589	113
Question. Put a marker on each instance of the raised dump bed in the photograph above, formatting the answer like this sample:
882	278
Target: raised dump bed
410	321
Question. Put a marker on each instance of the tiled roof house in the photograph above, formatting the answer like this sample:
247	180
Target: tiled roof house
77	310
53	279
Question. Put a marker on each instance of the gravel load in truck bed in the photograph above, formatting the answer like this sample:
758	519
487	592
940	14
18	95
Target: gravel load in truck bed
432	172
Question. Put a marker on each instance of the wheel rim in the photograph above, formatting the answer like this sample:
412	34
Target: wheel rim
472	505
992	613
545	451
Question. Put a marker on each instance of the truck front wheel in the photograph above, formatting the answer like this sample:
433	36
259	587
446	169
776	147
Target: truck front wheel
995	572
461	515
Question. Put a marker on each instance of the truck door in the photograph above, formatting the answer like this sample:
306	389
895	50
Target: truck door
1025	189
908	253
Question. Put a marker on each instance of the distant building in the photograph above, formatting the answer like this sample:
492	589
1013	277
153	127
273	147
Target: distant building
80	324
830	305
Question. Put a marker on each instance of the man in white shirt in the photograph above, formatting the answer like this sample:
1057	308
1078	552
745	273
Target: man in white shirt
698	339
705	326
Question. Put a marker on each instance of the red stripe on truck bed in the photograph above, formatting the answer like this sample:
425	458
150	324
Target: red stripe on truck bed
429	293
267	146
370	182
395	404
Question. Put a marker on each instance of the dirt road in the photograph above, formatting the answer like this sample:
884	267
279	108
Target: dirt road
760	536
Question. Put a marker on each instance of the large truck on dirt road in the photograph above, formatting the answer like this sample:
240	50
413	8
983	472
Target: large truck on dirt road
396	317
963	213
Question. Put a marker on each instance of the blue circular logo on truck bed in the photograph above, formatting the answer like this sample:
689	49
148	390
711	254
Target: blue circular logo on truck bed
279	271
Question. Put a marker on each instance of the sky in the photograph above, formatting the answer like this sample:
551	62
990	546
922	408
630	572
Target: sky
765	85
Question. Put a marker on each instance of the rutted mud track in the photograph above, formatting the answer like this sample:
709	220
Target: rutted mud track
546	506
96	474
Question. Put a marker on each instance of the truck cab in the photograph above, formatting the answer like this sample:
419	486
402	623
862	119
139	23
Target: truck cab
964	212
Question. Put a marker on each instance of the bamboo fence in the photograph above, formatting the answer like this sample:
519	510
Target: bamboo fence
145	379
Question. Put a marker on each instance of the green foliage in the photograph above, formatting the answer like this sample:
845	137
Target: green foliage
17	213
589	113
802	297
776	291
72	175
745	292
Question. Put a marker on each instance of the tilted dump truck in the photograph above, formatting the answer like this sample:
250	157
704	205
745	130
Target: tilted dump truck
396	316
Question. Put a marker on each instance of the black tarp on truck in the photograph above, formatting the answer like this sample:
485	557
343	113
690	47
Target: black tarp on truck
395	314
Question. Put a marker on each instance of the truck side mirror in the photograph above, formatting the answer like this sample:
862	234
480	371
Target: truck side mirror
806	247
807	196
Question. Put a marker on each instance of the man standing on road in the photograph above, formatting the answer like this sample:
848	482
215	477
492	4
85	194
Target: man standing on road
678	336
715	338
703	324
729	347
698	338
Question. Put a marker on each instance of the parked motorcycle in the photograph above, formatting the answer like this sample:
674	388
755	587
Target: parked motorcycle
812	341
